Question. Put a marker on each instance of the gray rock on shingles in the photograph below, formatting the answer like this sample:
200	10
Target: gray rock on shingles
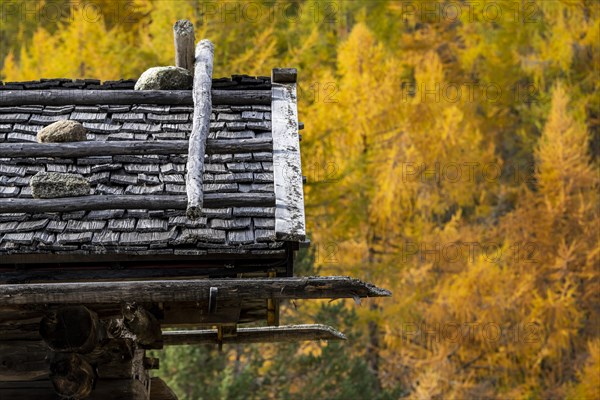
48	185
165	78
62	131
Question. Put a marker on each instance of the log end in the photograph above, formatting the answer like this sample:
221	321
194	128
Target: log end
183	27
71	375
203	46
284	75
193	212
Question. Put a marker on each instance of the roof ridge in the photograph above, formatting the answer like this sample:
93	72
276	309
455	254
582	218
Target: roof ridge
236	82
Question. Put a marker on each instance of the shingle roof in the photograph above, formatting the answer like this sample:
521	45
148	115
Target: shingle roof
240	230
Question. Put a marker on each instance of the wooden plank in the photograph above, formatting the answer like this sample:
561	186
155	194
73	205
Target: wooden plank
287	168
38	390
93	148
23	361
200	127
88	293
113	389
87	203
159	390
58	97
183	33
266	334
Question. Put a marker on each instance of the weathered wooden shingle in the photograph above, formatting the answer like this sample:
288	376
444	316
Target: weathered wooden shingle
245	236
9	191
77	238
47	119
13	118
122	225
202	235
228	224
128	117
8	227
18	238
151	225
106	238
144	239
33	225
85	226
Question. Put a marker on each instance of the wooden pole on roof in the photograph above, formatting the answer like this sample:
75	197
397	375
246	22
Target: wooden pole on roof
183	32
200	126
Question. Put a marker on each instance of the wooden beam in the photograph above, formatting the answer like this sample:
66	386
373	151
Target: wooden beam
331	287
183	33
113	389
287	168
57	97
88	203
94	148
23	361
159	390
200	127
266	334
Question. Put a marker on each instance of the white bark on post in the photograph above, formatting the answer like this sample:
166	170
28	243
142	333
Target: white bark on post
200	126
183	32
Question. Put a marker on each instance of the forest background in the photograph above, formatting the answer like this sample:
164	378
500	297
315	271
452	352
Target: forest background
451	149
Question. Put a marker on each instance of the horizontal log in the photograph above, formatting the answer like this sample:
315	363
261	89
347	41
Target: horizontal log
266	334
331	287
105	389
89	203
23	361
57	97
92	148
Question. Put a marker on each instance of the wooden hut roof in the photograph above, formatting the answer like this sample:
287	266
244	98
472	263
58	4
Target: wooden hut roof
239	217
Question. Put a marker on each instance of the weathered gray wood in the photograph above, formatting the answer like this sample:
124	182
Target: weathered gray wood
266	334
88	203
57	97
284	75
287	168
91	149
183	32
200	127
187	290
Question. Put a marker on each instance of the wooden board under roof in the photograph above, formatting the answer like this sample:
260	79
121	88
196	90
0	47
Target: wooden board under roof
289	197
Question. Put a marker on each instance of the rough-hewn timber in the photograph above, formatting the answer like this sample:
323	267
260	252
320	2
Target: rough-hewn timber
200	127
183	33
287	167
54	97
90	149
88	293
88	203
266	334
